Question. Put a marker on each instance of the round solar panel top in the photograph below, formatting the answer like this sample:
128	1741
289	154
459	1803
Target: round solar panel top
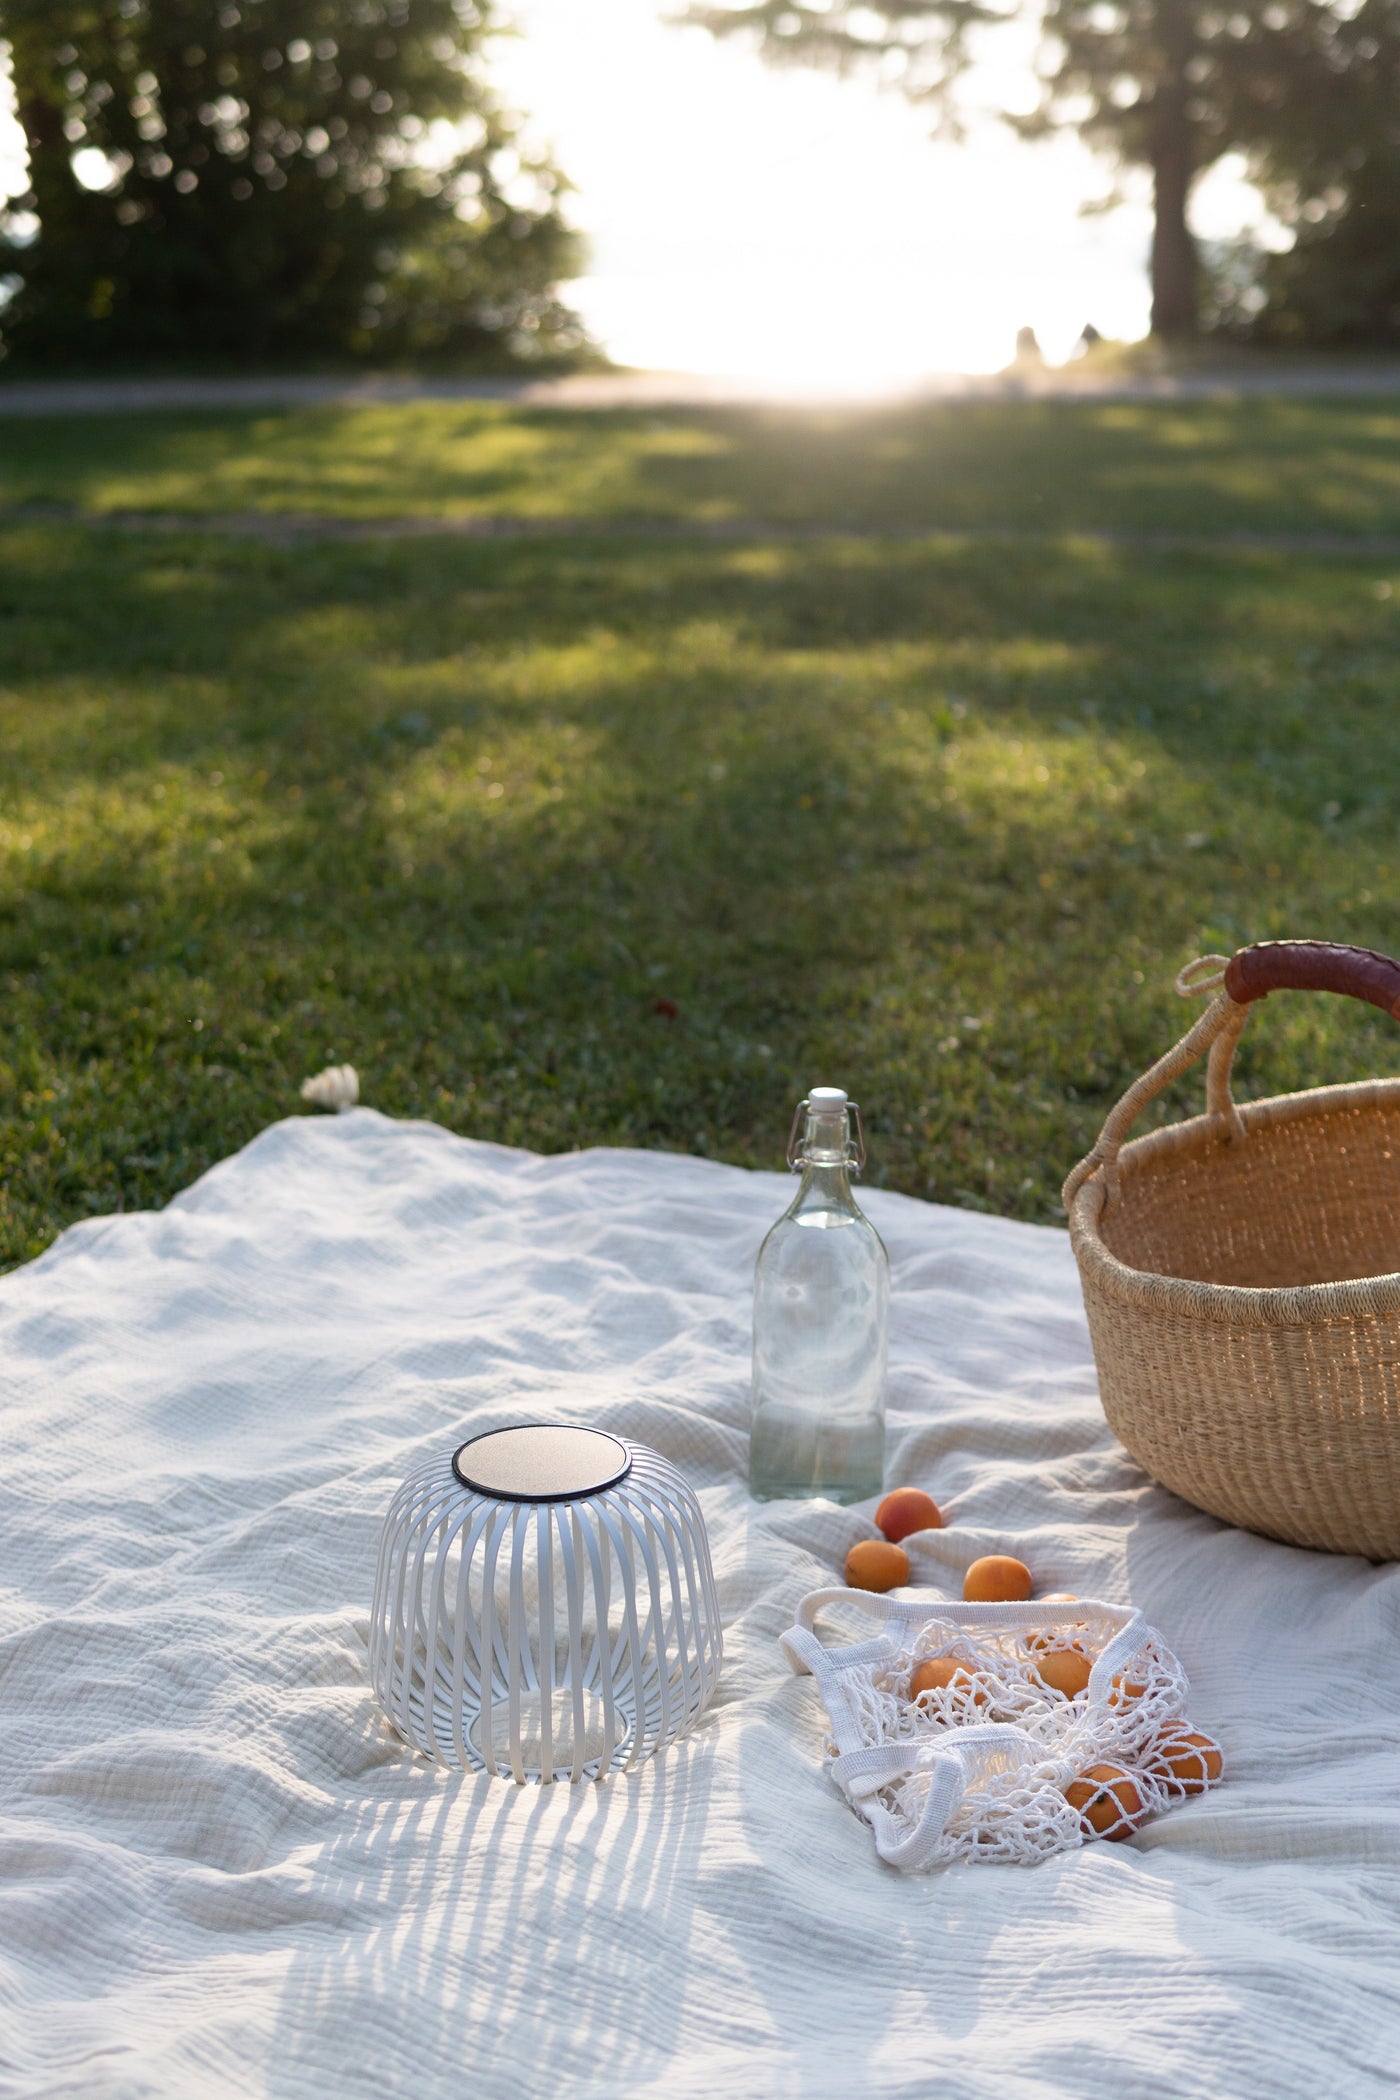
542	1462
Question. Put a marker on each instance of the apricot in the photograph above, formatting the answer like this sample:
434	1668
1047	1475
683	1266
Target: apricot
942	1673
1109	1801
907	1509
1065	1670
1046	1636
997	1579
874	1564
1185	1761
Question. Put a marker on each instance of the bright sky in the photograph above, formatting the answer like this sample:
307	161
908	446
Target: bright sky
789	226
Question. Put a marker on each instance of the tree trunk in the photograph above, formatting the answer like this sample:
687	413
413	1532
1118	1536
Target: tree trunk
1173	249
1173	165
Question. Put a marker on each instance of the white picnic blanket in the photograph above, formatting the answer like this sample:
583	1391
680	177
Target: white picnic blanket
220	1874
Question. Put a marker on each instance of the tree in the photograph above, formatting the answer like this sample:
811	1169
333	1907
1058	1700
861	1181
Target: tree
1171	86
919	46
1123	73
1168	85
254	179
1326	152
1338	286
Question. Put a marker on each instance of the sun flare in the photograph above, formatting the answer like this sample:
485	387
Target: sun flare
803	231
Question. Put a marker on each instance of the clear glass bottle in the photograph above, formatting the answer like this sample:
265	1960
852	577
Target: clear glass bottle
820	1323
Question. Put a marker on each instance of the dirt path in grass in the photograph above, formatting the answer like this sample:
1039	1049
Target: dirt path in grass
85	397
301	528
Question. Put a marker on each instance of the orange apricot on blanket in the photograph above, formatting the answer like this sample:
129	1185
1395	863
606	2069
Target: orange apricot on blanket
874	1564
1109	1801
1065	1670
943	1673
907	1509
1184	1760
997	1579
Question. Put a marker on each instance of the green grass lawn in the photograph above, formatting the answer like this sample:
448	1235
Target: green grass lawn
936	819
1270	465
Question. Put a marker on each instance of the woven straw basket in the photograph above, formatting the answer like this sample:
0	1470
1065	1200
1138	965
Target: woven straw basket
1241	1274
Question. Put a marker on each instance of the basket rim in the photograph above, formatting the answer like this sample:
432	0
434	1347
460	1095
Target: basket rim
1231	1304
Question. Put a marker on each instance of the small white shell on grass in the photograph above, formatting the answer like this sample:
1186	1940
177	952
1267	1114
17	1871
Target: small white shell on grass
338	1087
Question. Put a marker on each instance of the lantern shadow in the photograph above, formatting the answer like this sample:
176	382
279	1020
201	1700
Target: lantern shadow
501	1936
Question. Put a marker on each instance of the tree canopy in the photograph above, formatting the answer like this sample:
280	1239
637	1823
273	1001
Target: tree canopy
1326	152
1172	85
919	46
251	179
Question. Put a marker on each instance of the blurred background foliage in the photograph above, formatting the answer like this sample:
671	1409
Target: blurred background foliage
280	182
1327	154
234	181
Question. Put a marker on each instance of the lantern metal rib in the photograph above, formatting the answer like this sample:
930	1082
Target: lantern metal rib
545	1639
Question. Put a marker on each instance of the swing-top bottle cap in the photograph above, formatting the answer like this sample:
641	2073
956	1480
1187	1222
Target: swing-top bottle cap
813	1141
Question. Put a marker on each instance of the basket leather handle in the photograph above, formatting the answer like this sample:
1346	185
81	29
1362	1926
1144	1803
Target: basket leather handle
1249	974
1314	966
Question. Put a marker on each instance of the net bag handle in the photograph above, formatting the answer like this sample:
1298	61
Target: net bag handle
1238	981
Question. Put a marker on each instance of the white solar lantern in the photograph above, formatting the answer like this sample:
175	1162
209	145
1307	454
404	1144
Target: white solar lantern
545	1606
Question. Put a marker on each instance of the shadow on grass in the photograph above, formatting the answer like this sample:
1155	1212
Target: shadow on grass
629	844
1263	464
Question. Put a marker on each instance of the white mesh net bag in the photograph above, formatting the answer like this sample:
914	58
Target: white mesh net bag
1001	1731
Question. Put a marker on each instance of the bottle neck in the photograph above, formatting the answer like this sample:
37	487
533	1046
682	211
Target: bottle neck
825	1186
825	1162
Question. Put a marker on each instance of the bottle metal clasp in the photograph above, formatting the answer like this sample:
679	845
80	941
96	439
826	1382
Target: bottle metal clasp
855	1147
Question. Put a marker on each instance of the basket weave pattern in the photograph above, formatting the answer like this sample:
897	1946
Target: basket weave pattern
1241	1275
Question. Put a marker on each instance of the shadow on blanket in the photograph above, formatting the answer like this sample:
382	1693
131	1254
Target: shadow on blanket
523	1931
